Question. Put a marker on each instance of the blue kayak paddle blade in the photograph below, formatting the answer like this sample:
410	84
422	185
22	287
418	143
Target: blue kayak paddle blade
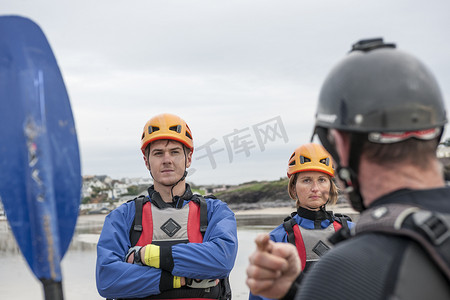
40	176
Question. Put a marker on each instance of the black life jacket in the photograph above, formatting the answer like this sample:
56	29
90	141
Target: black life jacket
179	224
431	230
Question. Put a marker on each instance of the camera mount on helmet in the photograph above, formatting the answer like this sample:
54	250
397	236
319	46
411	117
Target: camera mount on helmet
371	44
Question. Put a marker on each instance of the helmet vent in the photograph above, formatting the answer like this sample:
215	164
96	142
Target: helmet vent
166	127
325	161
292	163
304	159
152	129
176	128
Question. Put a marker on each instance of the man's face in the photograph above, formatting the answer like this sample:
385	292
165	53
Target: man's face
167	161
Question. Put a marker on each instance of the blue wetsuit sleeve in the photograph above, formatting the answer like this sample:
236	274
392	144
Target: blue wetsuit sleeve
279	234
215	257
114	277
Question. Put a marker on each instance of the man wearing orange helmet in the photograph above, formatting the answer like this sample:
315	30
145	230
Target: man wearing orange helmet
167	146
311	186
171	244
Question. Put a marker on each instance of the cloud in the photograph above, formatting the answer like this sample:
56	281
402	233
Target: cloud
221	65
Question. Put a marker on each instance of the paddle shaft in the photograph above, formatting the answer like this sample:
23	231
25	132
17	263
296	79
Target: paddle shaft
52	289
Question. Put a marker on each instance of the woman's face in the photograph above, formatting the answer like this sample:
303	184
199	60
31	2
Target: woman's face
313	189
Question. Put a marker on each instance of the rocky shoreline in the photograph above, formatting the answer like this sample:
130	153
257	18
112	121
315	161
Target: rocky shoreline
245	216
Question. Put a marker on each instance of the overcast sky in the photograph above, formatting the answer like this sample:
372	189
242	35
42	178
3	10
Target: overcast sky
236	71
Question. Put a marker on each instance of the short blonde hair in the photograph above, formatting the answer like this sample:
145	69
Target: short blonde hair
334	190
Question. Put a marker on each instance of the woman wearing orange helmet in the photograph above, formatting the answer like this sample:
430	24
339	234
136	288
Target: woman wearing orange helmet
311	185
310	170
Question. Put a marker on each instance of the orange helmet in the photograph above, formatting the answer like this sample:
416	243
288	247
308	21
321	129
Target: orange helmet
310	157
166	127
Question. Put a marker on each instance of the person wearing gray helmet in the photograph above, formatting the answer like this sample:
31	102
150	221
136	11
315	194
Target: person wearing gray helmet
381	116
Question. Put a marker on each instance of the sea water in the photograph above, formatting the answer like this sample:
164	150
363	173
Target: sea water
78	265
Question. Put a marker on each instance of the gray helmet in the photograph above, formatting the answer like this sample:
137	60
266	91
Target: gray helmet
377	88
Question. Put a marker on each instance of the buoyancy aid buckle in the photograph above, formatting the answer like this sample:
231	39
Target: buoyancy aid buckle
433	225
136	250
428	228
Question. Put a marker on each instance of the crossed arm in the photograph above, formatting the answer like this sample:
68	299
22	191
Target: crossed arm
214	258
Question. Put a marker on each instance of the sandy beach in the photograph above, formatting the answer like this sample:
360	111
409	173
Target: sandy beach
280	212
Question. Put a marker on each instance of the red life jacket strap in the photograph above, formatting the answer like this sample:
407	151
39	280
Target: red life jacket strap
300	246
147	223
337	226
193	229
295	237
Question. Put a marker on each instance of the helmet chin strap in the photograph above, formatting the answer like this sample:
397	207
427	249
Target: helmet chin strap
184	174
182	177
346	174
350	180
349	175
324	206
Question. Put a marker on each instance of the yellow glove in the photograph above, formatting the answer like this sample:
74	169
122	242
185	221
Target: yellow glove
176	282
152	256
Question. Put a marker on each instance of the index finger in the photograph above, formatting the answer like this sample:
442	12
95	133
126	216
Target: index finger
262	242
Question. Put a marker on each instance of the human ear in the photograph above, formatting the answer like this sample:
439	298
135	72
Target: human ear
147	164
188	158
